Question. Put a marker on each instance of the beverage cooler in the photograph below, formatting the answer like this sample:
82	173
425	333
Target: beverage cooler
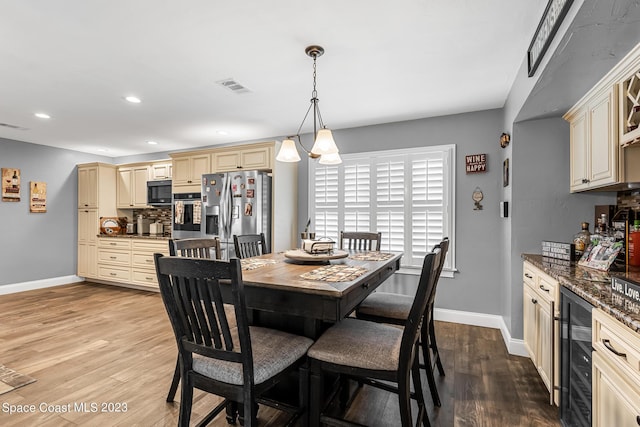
236	203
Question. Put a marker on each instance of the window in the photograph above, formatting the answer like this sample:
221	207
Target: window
408	195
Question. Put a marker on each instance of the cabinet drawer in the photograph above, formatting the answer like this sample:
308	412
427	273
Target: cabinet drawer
145	277
529	274
547	285
149	245
114	257
616	343
109	272
142	260
114	243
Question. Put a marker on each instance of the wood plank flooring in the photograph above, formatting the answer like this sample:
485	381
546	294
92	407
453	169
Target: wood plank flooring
112	349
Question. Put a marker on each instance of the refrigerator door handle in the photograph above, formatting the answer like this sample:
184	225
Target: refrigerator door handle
226	207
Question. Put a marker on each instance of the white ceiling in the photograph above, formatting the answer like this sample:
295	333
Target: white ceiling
384	62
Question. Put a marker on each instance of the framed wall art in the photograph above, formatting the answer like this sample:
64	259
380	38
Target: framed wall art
505	172
38	197
10	184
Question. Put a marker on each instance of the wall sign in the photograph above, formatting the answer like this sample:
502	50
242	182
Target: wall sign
565	251
10	184
38	197
547	28
476	163
626	288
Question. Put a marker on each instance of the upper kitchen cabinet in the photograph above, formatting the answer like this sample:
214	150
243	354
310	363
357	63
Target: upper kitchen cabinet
132	186
249	157
602	126
187	170
96	185
160	170
594	148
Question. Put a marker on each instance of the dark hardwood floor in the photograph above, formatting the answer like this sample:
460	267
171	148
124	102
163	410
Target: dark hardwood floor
97	344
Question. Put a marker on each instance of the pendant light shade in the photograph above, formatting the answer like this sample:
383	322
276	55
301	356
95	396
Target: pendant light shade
288	152
330	159
324	144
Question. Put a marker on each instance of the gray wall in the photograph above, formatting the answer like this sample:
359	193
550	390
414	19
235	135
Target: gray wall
542	206
40	245
477	285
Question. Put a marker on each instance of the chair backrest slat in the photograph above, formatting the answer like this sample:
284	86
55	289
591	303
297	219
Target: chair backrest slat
195	248
250	245
362	241
191	292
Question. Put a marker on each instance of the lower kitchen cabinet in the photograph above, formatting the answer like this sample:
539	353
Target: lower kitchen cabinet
541	330
616	373
129	261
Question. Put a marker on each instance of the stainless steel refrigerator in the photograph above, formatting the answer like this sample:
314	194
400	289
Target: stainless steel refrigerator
236	203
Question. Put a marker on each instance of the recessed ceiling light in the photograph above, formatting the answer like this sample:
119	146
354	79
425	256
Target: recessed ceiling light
152	143
223	132
42	115
133	99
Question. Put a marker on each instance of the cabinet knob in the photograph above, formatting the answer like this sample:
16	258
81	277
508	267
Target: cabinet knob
238	167
533	300
638	420
609	347
543	288
365	285
528	276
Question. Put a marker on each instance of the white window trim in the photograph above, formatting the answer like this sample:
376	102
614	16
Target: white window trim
449	191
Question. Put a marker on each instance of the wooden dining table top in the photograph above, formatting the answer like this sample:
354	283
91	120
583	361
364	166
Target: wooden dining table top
282	273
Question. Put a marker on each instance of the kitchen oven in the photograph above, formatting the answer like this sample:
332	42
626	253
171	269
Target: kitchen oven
186	215
575	364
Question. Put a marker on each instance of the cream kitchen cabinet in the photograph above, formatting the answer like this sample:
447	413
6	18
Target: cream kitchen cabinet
541	295
594	145
132	186
188	169
96	186
616	373
96	198
251	157
129	261
160	170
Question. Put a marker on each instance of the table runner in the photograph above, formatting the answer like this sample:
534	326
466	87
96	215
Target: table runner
253	263
335	273
371	256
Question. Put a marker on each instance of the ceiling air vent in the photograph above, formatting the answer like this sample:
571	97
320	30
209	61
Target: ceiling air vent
233	86
10	126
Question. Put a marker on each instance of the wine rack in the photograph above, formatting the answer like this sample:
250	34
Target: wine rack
630	110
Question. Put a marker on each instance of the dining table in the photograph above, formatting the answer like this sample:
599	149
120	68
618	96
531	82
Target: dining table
307	296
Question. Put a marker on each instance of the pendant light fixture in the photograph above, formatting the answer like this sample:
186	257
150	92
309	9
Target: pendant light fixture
324	146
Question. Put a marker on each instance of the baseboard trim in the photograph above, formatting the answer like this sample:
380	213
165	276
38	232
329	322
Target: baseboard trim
39	284
514	346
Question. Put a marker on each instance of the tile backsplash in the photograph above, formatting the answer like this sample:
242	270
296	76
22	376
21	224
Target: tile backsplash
162	215
629	200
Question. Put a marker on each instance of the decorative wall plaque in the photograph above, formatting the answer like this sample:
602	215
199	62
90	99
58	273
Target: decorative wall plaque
10	184
38	197
476	163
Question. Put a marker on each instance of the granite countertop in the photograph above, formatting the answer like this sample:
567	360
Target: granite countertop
135	236
594	286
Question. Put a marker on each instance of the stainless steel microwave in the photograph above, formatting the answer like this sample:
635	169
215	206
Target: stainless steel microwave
159	193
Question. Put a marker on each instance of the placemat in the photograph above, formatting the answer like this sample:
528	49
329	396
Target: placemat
335	273
11	380
372	256
253	263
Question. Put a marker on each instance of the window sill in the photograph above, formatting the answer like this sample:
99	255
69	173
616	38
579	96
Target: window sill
414	271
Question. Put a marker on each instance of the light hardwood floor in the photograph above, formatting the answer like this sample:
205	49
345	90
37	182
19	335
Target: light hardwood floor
97	344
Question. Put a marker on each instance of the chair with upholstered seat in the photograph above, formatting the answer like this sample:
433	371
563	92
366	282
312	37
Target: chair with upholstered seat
250	245
359	240
194	248
371	352
385	307
238	362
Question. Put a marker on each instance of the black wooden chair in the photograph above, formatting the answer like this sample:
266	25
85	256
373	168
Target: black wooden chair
385	307
250	245
373	352
194	248
238	363
360	240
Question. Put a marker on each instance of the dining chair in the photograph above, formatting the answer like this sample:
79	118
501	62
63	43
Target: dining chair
359	240
250	245
195	248
386	307
239	363
372	352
